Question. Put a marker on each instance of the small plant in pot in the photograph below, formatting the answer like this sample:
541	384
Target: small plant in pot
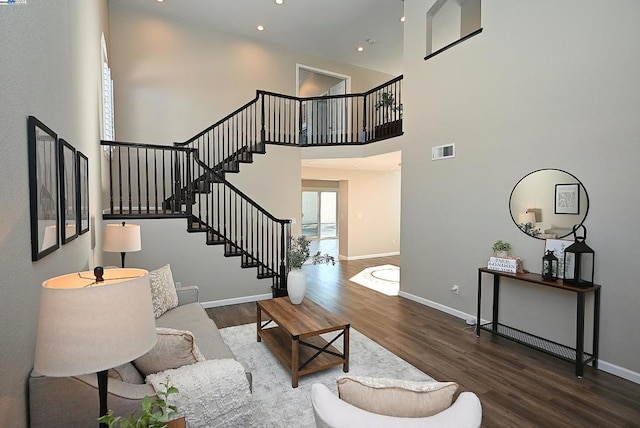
156	412
387	102
297	255
501	248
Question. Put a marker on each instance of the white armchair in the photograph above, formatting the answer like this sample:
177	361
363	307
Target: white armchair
332	412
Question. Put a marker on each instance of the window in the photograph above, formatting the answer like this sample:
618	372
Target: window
108	126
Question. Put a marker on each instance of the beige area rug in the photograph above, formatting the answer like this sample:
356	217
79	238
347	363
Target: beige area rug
384	279
277	404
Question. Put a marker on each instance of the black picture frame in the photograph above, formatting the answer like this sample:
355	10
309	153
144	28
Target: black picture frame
82	187
567	198
68	193
43	188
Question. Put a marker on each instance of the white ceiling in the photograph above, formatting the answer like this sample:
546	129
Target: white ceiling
327	28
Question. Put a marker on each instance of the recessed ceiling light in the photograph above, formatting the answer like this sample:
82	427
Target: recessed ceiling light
402	19
360	48
260	28
159	1
279	1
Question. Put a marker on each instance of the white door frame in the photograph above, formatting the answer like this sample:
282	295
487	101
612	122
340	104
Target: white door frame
344	77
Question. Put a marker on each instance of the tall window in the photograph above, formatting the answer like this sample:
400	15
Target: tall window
108	131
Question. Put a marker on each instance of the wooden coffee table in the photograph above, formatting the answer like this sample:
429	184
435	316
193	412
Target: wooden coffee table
296	340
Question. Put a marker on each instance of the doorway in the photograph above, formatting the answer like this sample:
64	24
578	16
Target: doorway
322	120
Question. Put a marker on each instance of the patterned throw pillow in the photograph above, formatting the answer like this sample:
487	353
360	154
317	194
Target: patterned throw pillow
175	348
163	290
400	398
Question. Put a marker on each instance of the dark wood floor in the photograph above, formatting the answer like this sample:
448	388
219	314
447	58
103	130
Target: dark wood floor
518	386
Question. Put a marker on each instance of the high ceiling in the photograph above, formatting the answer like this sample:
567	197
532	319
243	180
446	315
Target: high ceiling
328	28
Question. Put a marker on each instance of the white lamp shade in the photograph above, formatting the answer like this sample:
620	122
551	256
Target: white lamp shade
120	238
86	327
524	218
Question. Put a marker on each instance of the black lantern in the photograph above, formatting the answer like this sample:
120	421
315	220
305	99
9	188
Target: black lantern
579	260
549	266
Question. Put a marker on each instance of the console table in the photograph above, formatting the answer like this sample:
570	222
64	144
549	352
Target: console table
575	355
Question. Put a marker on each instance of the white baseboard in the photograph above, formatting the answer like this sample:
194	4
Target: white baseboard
370	256
235	301
619	371
602	365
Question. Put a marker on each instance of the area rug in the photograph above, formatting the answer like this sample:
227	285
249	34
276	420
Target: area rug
277	404
384	279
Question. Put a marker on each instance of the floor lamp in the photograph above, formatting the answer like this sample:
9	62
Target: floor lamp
90	322
122	239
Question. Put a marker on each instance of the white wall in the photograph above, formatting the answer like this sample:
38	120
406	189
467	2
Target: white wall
49	63
550	85
372	212
174	79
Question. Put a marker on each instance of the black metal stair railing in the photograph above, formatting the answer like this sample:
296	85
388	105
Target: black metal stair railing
231	218
148	181
188	179
271	118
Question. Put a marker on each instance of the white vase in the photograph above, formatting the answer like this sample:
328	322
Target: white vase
296	285
502	254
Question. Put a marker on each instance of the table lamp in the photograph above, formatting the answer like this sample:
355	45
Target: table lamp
122	239
527	217
90	322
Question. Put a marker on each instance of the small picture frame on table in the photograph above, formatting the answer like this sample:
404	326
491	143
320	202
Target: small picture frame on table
82	187
558	246
68	194
43	188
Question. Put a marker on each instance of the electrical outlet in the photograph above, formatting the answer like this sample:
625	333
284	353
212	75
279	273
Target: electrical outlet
178	284
455	289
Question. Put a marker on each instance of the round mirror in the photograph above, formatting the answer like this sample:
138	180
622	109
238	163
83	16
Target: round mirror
547	203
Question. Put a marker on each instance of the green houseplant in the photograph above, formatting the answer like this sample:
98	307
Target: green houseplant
387	102
501	248
297	254
156	412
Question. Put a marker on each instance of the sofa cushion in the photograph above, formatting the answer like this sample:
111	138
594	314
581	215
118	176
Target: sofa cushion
193	317
175	348
396	397
126	373
163	290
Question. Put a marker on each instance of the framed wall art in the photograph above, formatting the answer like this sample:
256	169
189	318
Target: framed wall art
43	188
82	188
568	198
68	193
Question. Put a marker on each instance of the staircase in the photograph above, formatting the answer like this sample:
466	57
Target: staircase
188	179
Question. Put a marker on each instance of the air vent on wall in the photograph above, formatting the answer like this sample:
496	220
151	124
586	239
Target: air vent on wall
443	152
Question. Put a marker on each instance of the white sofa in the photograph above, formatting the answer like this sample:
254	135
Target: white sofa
332	412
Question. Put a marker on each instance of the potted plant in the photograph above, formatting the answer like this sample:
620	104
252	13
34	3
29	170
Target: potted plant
391	124
501	248
297	254
156	413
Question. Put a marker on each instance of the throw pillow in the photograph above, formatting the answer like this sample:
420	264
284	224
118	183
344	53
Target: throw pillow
396	397
163	290
175	348
126	373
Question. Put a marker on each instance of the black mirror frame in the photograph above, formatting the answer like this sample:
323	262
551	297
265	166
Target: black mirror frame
548	169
